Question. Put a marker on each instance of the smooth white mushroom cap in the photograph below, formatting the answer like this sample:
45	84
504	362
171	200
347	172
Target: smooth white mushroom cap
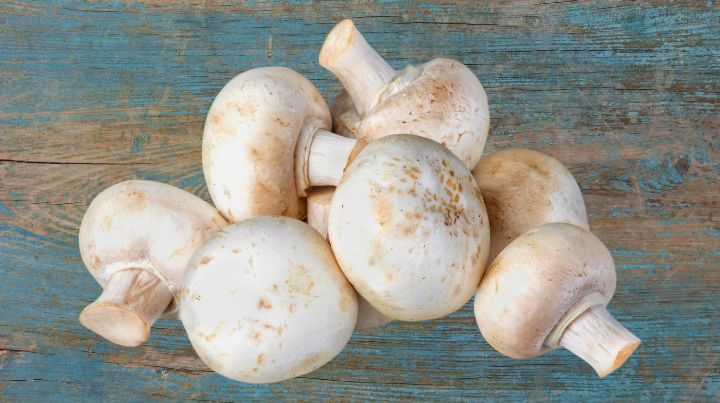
523	189
538	284
147	225
409	228
249	142
265	301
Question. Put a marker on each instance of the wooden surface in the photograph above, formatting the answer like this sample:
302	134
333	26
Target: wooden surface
625	94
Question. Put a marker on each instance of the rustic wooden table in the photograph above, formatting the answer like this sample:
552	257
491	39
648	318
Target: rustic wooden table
627	95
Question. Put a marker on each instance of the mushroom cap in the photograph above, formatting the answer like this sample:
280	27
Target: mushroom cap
249	142
265	301
441	100
524	189
538	284
409	228
140	224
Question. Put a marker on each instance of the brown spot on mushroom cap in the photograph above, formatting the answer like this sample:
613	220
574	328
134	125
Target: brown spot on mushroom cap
95	262
260	359
281	122
256	337
264	304
246	108
382	208
300	280
206	259
133	200
208	337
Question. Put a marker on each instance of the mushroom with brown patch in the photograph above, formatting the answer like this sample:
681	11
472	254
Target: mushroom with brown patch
441	99
266	141
549	288
409	228
523	189
136	238
264	301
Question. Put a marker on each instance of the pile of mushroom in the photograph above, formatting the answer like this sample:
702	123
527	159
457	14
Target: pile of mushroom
403	217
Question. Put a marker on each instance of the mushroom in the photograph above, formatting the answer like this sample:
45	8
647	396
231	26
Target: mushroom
409	228
135	239
442	99
265	301
318	209
266	141
549	288
523	189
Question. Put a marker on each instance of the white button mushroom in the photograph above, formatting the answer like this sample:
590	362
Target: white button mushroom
409	228
523	189
136	238
441	99
265	301
318	210
266	141
549	288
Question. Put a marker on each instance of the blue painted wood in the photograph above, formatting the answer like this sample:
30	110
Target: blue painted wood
627	95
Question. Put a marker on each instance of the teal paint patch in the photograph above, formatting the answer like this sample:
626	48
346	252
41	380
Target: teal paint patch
138	144
5	210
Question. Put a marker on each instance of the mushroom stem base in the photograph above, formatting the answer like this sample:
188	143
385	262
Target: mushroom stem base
329	155
321	156
131	302
360	69
318	208
600	340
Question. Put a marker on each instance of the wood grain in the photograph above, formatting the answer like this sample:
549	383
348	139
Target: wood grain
626	94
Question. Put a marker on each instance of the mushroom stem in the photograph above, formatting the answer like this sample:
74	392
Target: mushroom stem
321	156
131	302
600	340
329	155
362	71
318	209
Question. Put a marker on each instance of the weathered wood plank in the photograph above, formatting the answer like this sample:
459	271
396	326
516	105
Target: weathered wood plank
626	94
